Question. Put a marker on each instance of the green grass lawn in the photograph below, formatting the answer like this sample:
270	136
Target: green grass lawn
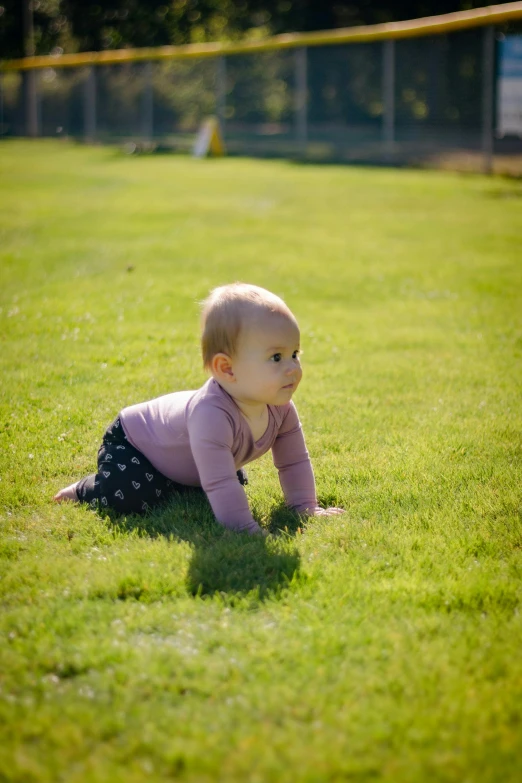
383	645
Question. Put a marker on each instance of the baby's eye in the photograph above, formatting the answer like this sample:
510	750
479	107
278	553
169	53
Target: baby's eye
276	357
295	354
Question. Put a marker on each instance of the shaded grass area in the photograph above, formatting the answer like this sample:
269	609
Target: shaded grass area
382	645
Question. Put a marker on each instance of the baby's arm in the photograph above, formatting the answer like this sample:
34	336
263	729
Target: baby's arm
211	437
295	469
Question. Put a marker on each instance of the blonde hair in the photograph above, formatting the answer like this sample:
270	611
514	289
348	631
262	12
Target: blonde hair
226	311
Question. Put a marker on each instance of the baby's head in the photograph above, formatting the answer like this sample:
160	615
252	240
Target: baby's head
229	311
250	344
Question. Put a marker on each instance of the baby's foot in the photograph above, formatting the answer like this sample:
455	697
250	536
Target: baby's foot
68	493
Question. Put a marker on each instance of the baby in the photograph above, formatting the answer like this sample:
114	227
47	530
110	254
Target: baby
250	344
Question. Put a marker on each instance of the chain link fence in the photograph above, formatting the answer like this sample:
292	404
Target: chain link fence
419	100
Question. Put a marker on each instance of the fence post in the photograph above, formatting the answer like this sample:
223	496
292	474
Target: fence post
488	77
221	92
89	105
388	97
436	77
1	104
30	81
29	77
147	107
301	99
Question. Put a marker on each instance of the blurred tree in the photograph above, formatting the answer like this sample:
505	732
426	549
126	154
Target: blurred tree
109	24
51	27
86	25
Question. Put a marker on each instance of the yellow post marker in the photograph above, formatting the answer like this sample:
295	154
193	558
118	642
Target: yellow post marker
209	140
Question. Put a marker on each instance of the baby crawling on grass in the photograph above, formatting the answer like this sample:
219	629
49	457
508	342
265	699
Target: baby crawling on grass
250	344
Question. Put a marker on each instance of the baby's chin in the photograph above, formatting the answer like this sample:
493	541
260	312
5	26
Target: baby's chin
284	395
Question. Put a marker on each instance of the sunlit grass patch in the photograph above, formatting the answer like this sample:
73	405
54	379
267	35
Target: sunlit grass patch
381	645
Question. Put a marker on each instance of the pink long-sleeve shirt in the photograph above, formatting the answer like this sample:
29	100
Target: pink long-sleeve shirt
200	438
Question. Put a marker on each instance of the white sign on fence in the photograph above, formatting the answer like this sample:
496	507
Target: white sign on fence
209	140
509	86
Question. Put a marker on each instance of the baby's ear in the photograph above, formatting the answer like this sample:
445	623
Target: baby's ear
221	367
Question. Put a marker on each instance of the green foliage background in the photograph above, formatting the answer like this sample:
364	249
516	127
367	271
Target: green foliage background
91	25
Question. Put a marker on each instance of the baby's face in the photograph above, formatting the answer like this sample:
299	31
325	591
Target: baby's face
266	365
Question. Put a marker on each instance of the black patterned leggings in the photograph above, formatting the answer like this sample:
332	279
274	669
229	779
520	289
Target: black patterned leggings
126	481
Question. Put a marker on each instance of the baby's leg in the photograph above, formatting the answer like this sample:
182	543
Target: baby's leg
87	489
126	481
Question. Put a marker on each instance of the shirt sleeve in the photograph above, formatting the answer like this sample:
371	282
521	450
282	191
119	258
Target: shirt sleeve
293	463
211	436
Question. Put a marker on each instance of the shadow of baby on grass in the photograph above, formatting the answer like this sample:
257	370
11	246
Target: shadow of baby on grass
224	563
